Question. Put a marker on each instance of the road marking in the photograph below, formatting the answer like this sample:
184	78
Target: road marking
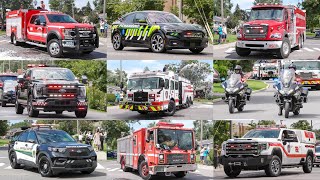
2	164
3	157
299	50
307	49
317	49
114	169
9	167
230	50
99	166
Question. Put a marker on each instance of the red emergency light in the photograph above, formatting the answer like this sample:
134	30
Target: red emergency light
36	65
170	124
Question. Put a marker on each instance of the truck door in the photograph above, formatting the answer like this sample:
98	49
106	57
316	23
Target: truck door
31	146
172	90
295	148
176	90
19	146
127	27
166	93
290	25
135	152
22	92
289	145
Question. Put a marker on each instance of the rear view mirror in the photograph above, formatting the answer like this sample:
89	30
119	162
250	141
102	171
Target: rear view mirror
84	79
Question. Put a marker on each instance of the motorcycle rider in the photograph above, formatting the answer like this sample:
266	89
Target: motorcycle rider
238	70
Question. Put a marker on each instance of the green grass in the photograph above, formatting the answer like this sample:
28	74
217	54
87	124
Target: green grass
230	38
4	142
253	84
2	33
310	34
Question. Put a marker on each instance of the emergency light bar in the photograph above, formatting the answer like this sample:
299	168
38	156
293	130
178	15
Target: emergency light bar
170	124
36	65
38	126
271	126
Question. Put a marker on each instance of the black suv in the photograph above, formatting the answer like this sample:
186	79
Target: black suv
157	30
51	152
51	89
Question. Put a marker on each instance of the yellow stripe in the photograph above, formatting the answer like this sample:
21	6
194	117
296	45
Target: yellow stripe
153	108
131	108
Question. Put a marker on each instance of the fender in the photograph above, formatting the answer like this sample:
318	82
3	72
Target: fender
54	32
144	157
43	153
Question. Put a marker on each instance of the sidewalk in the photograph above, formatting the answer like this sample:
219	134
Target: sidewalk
219	168
224	46
201	166
101	155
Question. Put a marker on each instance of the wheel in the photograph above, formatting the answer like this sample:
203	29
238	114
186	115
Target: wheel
59	112
117	42
54	48
13	161
157	43
273	169
31	111
44	167
300	45
143	112
196	50
285	49
286	109
3	104
280	111
188	103
240	108
180	174
243	51
171	108
231	106
18	107
88	172
296	112
318	165
144	171
80	114
307	166
87	52
232	172
14	40
123	166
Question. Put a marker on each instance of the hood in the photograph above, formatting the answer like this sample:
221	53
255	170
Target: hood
70	25
269	22
67	144
253	140
181	26
62	82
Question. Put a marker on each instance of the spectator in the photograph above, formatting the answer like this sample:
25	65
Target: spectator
220	32
205	155
101	140
80	137
106	28
224	30
117	97
42	5
96	140
102	27
215	156
201	154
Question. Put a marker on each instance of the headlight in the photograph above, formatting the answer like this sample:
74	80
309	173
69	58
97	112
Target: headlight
236	89
263	146
239	35
276	36
90	148
38	90
53	149
161	157
82	91
68	33
228	89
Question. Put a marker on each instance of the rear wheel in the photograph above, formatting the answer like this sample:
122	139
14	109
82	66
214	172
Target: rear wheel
307	166
286	109
297	111
232	171
171	108
13	161
14	40
31	111
231	106
80	114
123	166
180	174
18	107
3	104
243	51
196	50
45	167
273	169
144	171
240	108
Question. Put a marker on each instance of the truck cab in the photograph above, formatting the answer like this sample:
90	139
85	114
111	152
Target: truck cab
270	149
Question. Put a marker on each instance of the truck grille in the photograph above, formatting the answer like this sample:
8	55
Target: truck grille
61	89
78	152
239	148
140	96
177	158
254	31
306	75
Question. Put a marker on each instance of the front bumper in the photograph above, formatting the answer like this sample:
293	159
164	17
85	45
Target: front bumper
141	107
185	43
52	104
259	45
70	164
249	162
172	168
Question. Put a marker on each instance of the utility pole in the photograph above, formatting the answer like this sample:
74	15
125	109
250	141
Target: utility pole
201	131
120	72
78	129
222	14
104	9
73	10
180	9
231	129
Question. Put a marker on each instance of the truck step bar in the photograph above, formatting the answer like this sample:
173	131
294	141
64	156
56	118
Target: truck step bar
36	44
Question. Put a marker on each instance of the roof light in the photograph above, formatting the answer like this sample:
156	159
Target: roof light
170	124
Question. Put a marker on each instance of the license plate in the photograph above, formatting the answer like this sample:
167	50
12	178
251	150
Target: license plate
69	44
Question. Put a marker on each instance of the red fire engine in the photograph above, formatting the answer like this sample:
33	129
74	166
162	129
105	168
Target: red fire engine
55	31
167	148
277	28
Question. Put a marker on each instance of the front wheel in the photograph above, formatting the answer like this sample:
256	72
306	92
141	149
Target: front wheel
231	106
285	49
180	174
13	161
273	169
240	108
117	42
307	166
80	114
157	43
45	167
18	107
232	171
243	51
196	50
54	48
144	171
286	109
171	108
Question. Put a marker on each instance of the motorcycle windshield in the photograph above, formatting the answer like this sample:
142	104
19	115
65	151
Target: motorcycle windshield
233	80
287	77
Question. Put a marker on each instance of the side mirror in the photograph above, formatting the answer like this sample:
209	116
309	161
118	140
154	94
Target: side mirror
31	141
20	79
37	22
158	146
84	79
161	83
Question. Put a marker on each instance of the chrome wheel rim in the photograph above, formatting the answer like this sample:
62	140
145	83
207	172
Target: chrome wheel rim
285	48
309	161
116	41
157	43
44	166
54	48
275	166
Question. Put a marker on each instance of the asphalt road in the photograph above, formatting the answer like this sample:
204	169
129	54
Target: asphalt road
9	113
27	52
263	106
311	50
115	173
291	173
195	112
136	53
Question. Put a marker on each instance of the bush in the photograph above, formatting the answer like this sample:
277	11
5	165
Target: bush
111	98
210	159
97	99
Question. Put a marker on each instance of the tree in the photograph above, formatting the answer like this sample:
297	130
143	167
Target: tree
301	124
199	10
115	129
267	1
146	69
208	130
3	127
224	66
221	131
25	123
174	10
312	8
262	122
87	9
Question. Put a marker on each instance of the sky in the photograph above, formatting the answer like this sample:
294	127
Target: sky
78	3
131	66
246	4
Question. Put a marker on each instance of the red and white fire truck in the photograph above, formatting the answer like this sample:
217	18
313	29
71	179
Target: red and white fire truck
55	31
265	69
273	27
167	148
158	91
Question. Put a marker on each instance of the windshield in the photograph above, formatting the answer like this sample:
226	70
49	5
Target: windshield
307	65
53	74
318	149
4	78
258	133
266	14
234	79
170	138
270	68
60	18
54	136
287	77
144	83
160	17
9	85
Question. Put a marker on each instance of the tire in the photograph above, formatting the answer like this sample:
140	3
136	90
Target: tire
3	104
31	112
80	114
157	43
285	49
117	42
273	169
300	44
196	50
243	51
59	112
18	107
144	171
231	172
87	52
286	109
44	167
307	166
188	103
296	112
123	166
143	112
240	108
13	161
14	40
88	172
180	174
54	48
231	106
171	108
